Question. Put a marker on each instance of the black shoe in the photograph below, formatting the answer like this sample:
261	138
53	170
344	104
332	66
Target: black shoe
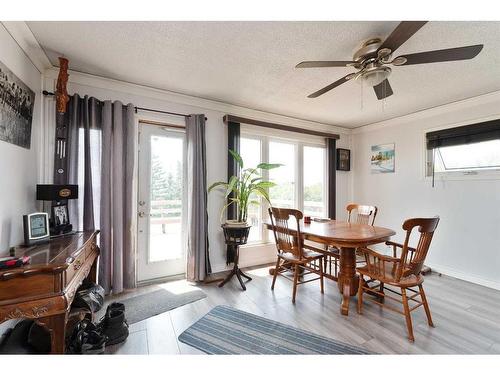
114	325
117	306
86	339
94	343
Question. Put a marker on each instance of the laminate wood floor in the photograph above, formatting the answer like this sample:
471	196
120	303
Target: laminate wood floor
466	317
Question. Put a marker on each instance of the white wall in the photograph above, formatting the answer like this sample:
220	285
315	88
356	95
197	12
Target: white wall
467	241
216	138
18	166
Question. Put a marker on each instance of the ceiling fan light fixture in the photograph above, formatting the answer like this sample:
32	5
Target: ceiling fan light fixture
374	76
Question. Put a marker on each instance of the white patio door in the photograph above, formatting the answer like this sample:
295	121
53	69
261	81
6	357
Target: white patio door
161	219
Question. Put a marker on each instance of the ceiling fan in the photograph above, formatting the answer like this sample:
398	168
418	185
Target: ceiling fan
373	58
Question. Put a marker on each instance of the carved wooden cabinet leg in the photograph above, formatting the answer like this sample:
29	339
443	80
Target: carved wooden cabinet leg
56	325
93	272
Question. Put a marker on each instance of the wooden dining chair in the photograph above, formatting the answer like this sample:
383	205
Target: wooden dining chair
293	255
361	214
403	271
357	213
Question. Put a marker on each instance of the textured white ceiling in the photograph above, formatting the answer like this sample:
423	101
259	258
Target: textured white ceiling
251	64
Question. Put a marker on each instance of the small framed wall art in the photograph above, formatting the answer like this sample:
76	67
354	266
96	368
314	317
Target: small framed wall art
343	159
382	158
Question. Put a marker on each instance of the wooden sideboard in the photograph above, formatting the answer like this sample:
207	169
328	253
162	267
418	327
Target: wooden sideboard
44	289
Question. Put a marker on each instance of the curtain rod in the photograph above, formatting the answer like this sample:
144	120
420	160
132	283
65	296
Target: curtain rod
46	93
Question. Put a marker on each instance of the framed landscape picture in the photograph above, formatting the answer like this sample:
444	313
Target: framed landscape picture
16	109
382	158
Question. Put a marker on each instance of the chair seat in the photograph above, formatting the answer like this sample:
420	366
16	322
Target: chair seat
308	255
390	276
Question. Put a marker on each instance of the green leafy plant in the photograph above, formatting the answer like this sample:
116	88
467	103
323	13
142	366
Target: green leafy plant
245	187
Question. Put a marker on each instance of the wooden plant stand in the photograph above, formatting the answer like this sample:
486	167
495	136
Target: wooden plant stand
235	237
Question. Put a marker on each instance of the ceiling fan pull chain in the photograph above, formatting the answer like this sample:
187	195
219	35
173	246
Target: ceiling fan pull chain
362	84
385	97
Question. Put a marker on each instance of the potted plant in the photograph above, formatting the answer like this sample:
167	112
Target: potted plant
244	188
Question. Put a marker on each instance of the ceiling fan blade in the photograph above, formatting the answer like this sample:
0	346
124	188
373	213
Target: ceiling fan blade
383	90
323	64
331	86
450	54
401	34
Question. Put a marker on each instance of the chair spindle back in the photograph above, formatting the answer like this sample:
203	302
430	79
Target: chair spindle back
412	259
287	237
361	214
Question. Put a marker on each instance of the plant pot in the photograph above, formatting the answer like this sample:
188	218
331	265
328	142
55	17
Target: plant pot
236	224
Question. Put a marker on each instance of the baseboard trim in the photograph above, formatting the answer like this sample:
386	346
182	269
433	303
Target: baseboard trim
160	280
466	277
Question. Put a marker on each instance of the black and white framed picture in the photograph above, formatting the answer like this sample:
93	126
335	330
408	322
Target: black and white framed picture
60	215
343	159
16	109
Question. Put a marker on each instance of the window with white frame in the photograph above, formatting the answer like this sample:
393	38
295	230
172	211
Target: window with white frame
301	180
314	181
465	149
470	157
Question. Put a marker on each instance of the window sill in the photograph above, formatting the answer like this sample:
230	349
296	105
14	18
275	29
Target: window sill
465	176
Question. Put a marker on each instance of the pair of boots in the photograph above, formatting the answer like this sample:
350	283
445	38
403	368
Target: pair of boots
89	338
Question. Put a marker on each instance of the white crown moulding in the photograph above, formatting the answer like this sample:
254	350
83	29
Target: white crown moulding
23	36
174	97
491	97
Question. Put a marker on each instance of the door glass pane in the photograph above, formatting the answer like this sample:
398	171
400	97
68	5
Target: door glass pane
282	195
314	181
165	225
250	151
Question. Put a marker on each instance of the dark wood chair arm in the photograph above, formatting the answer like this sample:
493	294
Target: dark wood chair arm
395	245
379	264
391	243
313	248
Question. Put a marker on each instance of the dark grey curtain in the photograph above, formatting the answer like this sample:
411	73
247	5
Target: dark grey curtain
332	177
82	114
233	169
117	269
107	155
198	259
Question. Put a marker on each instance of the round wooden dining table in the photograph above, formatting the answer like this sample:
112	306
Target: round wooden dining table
346	237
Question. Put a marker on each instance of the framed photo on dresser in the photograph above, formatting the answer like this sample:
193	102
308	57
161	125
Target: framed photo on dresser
60	215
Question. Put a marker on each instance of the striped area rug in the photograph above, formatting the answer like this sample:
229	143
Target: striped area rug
225	330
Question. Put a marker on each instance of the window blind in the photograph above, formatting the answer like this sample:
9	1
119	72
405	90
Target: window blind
479	132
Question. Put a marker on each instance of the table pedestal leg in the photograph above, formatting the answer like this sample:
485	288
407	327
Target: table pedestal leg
348	280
